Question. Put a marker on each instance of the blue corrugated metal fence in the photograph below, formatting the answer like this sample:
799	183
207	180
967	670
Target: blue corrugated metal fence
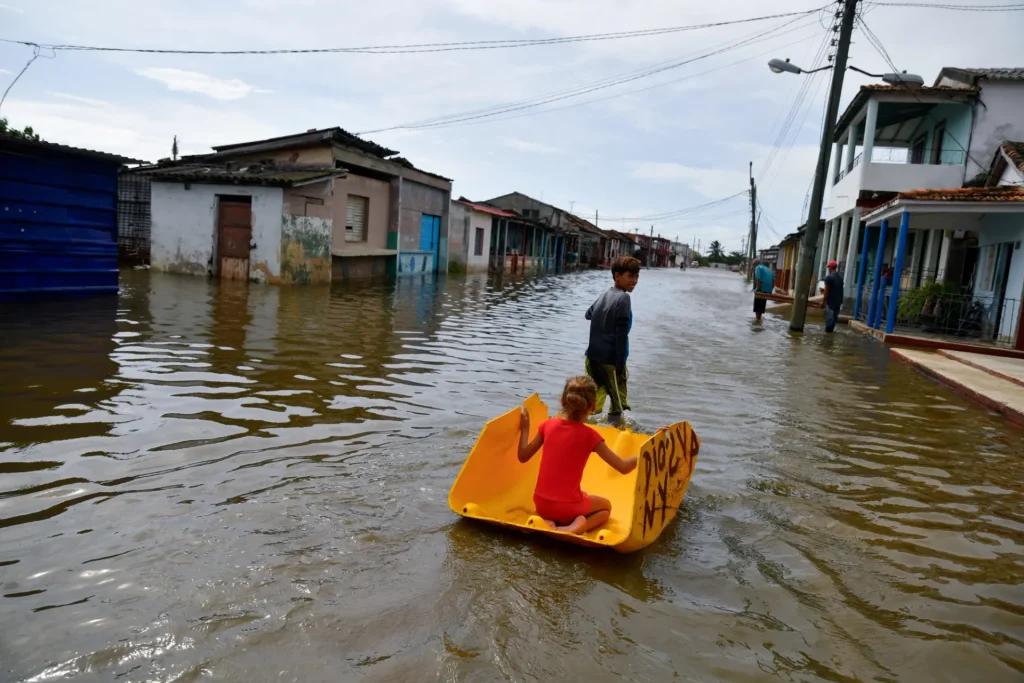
58	222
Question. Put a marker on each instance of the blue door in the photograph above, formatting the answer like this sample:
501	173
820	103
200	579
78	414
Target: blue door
430	233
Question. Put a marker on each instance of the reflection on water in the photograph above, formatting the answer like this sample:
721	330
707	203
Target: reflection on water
209	481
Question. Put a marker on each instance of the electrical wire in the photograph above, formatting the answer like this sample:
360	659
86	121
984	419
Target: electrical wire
963	8
440	122
572	92
666	215
880	48
793	111
419	48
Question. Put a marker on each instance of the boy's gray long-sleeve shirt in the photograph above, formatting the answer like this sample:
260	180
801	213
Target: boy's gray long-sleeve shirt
610	319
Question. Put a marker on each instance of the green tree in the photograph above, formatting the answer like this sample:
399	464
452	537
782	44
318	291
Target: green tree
715	253
25	134
734	258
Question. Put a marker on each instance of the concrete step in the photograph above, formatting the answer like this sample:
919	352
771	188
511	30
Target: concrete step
1009	369
995	393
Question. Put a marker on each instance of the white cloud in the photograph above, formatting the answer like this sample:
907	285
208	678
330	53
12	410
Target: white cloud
143	133
88	101
7	72
710	182
180	80
527	146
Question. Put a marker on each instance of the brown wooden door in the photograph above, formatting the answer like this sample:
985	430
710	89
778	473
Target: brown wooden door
234	234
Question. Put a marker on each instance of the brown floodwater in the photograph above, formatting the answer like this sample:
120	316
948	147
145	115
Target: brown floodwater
203	482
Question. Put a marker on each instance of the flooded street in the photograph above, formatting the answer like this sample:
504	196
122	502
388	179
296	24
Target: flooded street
248	483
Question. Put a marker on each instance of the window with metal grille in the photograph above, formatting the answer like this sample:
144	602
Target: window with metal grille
478	245
355	218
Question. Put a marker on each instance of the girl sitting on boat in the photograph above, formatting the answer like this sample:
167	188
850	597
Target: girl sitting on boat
569	443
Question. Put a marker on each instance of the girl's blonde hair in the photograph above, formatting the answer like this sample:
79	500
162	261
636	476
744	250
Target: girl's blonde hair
579	397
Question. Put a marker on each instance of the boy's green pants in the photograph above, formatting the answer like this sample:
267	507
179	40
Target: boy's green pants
609	384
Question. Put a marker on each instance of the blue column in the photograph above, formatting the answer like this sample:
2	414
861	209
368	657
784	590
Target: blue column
875	304
861	272
897	272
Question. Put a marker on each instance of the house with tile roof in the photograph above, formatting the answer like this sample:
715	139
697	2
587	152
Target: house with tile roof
893	139
264	222
471	228
388	216
976	233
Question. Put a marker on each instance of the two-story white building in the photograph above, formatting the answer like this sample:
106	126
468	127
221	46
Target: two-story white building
892	139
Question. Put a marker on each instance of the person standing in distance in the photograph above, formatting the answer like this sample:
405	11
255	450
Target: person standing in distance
611	318
833	296
764	281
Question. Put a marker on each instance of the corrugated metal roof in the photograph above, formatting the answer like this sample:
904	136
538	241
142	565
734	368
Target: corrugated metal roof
252	174
312	137
11	143
483	208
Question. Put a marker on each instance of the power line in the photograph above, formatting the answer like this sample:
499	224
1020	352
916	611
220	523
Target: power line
962	8
876	42
793	112
419	48
668	214
441	123
566	94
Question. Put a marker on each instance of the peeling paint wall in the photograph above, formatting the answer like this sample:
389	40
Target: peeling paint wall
184	232
305	250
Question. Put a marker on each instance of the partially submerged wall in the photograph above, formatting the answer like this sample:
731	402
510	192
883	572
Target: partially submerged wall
305	250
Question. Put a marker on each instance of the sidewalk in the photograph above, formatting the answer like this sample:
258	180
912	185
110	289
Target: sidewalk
996	383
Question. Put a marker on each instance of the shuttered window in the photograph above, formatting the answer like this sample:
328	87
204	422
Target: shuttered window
355	218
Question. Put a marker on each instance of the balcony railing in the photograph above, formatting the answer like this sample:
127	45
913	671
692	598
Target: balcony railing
985	318
846	171
903	155
919	155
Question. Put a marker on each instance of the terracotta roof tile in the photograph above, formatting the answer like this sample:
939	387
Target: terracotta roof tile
967	194
1015	150
483	208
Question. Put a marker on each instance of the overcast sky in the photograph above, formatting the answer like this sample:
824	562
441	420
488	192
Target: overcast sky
677	139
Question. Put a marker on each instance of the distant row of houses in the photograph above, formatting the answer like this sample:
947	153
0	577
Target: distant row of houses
927	195
313	207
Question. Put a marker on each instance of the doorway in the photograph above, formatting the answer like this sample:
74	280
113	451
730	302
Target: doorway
234	236
430	234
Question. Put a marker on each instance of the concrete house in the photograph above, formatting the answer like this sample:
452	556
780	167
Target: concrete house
388	217
469	235
258	222
978	239
892	140
566	238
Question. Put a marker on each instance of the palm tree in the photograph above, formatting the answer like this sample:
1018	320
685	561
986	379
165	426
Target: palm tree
715	252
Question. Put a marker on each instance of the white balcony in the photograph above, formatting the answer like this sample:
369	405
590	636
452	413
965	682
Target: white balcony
892	141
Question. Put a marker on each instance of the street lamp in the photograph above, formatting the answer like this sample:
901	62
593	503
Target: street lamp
809	244
909	81
785	66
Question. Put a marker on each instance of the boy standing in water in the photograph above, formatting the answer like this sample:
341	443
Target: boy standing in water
611	318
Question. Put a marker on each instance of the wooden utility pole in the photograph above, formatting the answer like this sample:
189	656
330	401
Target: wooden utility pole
752	237
809	244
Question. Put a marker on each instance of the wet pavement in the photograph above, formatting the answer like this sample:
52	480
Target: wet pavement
203	482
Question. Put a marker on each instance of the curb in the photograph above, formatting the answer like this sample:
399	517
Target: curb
945	353
1014	416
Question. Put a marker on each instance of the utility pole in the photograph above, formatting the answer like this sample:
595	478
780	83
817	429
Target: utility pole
809	244
650	247
752	239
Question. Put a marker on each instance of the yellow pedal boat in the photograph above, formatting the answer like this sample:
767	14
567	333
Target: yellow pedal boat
493	486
